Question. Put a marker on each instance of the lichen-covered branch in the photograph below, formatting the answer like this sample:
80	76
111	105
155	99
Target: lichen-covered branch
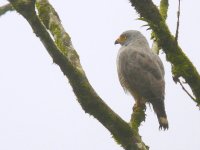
181	65
66	57
164	4
163	11
138	116
5	8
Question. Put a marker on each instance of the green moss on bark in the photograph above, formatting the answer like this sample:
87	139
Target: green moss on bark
182	66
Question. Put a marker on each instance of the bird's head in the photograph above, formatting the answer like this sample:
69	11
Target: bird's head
128	36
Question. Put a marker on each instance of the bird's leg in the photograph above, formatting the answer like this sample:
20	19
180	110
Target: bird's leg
138	114
139	103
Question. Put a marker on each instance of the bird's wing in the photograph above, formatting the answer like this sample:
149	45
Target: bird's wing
159	62
142	72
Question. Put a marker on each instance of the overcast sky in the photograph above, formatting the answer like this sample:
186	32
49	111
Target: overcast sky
38	110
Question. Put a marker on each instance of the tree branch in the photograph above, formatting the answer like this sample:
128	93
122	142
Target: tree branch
138	116
66	57
178	21
163	11
184	89
5	8
182	66
164	4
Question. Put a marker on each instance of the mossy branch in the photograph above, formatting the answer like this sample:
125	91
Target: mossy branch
164	4
163	11
63	54
5	8
138	116
182	66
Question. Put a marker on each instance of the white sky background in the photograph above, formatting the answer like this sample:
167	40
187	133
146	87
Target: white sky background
38	109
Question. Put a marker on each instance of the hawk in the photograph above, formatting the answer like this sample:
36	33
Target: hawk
141	73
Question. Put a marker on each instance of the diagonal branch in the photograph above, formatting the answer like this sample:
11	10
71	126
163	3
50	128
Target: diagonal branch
5	8
178	21
182	66
66	57
164	4
163	11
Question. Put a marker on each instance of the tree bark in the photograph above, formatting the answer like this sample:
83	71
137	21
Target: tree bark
65	56
181	65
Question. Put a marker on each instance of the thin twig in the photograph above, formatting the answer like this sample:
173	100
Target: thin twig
176	38
186	91
178	21
177	80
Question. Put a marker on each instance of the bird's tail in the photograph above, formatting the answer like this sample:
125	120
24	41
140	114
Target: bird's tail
159	108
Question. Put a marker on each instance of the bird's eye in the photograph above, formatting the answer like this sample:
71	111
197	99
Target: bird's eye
123	38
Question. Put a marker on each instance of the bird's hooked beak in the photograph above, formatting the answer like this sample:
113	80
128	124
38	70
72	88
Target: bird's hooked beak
117	41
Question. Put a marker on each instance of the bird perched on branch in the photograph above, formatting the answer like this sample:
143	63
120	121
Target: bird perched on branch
141	73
